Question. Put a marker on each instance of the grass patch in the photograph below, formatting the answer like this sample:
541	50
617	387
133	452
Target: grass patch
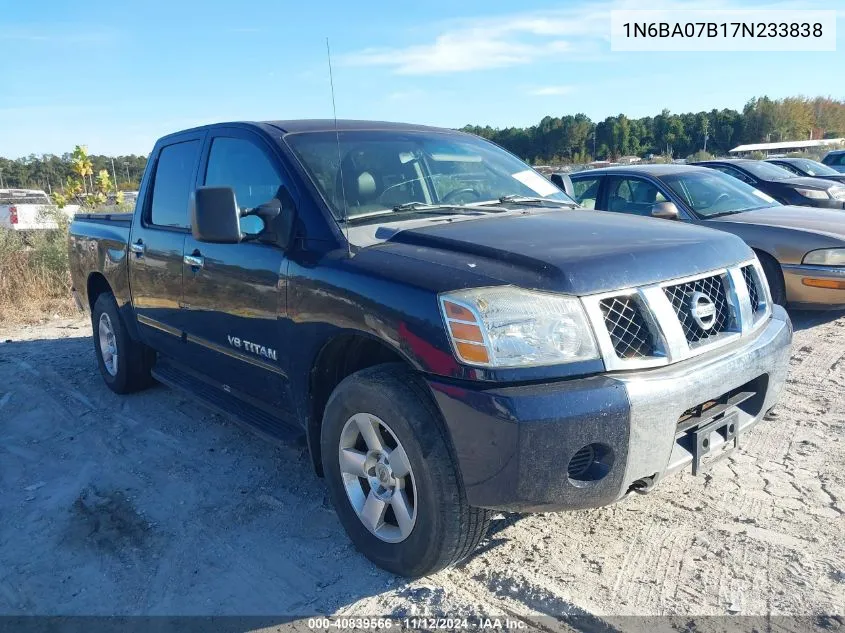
34	275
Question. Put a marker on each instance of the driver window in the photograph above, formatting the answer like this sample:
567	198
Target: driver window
586	191
632	195
241	165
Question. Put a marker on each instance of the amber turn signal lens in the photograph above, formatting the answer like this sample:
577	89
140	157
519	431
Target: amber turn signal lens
454	311
466	332
824	283
472	353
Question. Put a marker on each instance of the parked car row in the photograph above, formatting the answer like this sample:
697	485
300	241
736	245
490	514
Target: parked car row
801	249
782	184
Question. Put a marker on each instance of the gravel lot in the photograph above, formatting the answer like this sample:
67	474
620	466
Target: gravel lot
150	504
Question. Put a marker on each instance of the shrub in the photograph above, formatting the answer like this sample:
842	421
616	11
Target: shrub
34	275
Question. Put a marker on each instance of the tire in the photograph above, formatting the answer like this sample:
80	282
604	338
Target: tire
774	276
440	528
127	369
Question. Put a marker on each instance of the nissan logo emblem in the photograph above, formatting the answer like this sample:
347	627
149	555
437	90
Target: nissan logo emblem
703	310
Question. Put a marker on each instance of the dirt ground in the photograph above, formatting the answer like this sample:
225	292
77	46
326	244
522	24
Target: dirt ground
150	504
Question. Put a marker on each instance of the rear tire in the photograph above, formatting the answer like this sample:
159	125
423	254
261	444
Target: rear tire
413	474
774	275
125	364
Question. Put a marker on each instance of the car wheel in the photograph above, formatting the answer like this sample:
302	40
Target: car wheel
125	364
392	476
774	276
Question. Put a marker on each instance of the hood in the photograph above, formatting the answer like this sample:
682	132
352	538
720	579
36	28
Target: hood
806	182
578	251
839	178
830	222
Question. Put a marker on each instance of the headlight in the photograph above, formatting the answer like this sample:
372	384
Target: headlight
837	193
511	327
813	194
826	257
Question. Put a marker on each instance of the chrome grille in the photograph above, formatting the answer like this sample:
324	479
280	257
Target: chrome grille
653	325
714	288
627	328
750	281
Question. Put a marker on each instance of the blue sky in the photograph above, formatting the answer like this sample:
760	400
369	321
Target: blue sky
116	76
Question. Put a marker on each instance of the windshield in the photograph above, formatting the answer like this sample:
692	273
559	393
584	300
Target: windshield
713	193
378	171
767	171
814	168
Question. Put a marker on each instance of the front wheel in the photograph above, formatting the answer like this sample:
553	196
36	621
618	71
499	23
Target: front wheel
774	275
391	474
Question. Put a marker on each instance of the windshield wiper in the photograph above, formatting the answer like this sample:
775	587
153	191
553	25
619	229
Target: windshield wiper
532	201
421	207
441	209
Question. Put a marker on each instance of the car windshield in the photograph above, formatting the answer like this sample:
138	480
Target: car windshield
814	168
767	171
712	193
405	171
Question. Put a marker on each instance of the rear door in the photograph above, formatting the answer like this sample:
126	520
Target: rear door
157	240
235	294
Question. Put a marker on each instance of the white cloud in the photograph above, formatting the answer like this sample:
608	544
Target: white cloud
548	91
518	39
476	45
456	52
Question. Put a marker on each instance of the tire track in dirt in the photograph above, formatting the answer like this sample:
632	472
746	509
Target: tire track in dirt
240	526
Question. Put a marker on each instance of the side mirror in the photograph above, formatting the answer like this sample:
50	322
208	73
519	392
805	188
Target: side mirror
665	210
278	216
563	182
215	216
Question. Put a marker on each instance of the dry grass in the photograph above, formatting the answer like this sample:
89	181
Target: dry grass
34	277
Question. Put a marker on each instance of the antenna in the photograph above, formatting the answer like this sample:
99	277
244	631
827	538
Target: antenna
339	159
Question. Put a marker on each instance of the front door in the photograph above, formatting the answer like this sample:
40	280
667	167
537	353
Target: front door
235	295
156	244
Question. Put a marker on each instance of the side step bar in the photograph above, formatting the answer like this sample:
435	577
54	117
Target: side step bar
257	420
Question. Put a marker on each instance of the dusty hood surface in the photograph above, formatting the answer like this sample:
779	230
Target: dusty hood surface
572	251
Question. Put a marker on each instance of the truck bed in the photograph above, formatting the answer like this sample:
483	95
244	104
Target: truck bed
105	218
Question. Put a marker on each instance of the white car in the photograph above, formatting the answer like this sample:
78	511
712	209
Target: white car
28	210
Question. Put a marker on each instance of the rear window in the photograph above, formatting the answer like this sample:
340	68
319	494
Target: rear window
834	159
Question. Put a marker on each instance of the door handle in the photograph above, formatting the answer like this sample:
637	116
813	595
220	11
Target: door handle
138	248
194	261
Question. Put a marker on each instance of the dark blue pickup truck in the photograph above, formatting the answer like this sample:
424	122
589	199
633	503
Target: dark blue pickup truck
449	331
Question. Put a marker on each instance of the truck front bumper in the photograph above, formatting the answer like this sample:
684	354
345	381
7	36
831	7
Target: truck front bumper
514	445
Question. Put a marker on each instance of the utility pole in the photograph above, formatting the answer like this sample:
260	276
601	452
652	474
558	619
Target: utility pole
126	166
114	174
1	179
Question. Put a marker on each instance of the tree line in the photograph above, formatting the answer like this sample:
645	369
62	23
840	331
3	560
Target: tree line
559	139
52	173
578	139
